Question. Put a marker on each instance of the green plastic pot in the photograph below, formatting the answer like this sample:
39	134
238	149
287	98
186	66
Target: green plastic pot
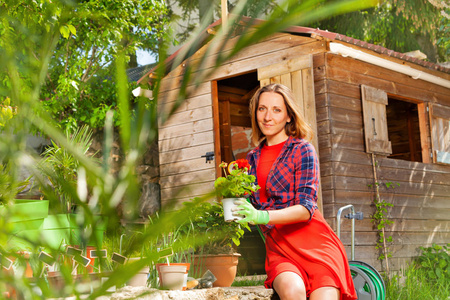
25	221
61	229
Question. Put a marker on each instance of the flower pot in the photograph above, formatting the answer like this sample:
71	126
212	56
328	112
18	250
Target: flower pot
140	278
223	266
161	283
26	219
172	276
57	284
228	207
60	229
98	279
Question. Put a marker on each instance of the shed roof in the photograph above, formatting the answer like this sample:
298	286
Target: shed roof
135	74
314	33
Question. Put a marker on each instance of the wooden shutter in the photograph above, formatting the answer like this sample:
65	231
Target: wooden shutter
440	133
297	74
374	103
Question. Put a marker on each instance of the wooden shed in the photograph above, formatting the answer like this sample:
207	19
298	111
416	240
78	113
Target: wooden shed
377	114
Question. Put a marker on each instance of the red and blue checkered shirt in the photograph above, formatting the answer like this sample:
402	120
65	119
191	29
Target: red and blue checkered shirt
293	178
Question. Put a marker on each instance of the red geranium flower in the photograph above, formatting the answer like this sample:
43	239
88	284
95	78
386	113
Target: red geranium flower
242	164
237	182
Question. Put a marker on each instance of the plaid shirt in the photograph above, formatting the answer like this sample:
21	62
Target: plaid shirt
293	178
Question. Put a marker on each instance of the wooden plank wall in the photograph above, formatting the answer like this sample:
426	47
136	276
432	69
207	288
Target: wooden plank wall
421	211
182	140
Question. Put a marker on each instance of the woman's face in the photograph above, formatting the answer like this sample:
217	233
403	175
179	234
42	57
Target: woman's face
272	116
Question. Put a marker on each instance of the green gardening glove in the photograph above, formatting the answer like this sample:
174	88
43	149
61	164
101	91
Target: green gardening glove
252	215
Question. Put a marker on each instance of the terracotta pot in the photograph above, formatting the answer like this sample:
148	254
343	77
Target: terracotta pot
56	282
188	265
223	266
90	267
172	276
8	291
24	263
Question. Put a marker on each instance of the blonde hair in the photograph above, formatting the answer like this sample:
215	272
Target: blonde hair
297	127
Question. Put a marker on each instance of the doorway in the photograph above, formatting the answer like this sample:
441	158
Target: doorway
234	95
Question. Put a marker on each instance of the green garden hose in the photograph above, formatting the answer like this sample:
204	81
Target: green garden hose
374	280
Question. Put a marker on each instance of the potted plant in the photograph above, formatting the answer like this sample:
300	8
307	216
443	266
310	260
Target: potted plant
217	253
236	183
61	169
22	219
172	265
213	240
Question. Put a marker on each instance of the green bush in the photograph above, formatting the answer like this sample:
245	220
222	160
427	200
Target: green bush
435	262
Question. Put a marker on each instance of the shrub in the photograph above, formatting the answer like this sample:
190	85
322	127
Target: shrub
435	262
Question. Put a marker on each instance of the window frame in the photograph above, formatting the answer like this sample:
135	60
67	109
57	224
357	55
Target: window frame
380	144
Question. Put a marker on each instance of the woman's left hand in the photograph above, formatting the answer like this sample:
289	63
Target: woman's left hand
252	215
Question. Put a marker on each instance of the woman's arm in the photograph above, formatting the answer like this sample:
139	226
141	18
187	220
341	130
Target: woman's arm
305	190
289	215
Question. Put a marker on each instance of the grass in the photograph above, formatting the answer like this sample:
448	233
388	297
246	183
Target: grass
414	283
252	280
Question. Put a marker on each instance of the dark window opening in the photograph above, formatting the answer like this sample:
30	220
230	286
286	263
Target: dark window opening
404	130
234	95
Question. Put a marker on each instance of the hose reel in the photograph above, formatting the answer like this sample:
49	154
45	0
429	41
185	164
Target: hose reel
369	284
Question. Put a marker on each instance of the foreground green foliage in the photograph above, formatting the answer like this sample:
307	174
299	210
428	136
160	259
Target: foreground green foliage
38	41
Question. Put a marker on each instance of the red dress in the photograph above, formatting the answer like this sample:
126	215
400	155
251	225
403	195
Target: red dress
310	249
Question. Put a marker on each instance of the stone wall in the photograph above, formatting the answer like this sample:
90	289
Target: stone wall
147	170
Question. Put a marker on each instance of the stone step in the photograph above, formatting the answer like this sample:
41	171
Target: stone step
229	293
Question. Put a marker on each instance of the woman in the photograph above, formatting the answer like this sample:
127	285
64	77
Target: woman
304	258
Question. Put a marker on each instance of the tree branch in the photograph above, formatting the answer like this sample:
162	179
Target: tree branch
91	62
96	70
66	66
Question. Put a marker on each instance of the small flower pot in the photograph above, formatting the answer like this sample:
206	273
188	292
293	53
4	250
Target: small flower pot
228	207
172	277
188	265
140	278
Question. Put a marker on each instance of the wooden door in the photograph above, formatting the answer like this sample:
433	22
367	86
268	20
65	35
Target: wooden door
297	74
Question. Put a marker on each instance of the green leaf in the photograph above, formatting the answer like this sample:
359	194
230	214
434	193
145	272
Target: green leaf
65	32
72	29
